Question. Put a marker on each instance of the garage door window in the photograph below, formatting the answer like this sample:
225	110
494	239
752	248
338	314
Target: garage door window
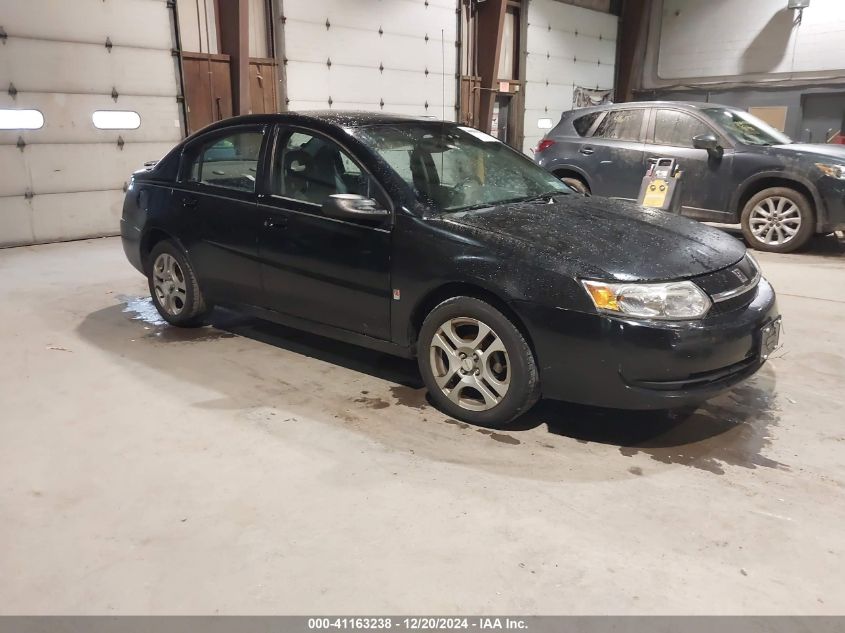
21	120
675	128
116	120
621	125
230	161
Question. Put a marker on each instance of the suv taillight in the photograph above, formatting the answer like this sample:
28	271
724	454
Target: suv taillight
545	144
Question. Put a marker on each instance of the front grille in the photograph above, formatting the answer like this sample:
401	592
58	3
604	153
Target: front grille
731	288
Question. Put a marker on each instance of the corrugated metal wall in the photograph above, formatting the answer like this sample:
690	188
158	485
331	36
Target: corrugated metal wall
65	180
370	55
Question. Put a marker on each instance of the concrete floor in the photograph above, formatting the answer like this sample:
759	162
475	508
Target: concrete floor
247	468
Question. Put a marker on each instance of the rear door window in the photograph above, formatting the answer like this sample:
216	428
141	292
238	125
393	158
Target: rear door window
621	125
229	161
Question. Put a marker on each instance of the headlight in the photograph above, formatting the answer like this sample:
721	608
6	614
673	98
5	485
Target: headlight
834	171
674	300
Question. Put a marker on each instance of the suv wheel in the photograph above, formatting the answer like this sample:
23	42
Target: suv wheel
476	364
778	220
576	183
173	286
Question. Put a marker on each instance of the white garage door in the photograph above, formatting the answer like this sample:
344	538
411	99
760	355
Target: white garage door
65	180
386	55
567	47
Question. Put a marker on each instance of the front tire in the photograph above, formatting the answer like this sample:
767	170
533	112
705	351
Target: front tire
174	287
778	220
476	364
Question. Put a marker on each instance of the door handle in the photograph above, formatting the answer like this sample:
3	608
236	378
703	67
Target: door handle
276	223
190	202
586	150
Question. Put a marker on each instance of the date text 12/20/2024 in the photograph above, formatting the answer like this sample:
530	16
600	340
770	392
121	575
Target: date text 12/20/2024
417	623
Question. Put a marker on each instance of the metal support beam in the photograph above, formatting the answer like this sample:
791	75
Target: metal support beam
234	41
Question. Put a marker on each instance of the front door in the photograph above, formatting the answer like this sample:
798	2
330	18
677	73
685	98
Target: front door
217	204
706	178
329	271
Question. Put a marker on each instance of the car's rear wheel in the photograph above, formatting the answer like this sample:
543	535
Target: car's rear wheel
476	363
576	183
174	287
778	220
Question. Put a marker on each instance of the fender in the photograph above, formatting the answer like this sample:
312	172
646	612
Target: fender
821	209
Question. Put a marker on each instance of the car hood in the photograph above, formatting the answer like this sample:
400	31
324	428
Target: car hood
600	237
811	150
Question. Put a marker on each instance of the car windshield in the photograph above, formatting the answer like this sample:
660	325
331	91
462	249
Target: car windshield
747	128
454	168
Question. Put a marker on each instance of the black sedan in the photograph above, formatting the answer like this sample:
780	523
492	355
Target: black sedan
429	239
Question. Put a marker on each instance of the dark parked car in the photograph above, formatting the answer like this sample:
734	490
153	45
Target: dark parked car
737	169
427	239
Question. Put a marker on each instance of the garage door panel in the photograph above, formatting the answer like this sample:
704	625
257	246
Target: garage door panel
126	22
58	168
76	215
408	17
357	51
42	66
15	221
14	170
567	46
67	118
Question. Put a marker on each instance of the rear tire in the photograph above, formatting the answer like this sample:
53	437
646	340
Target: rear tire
575	183
476	363
174	287
778	220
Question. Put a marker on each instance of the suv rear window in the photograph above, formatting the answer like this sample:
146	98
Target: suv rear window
583	124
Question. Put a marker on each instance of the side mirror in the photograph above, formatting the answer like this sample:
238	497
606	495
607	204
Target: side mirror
351	206
706	141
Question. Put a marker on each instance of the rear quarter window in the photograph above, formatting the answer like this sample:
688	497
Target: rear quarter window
583	123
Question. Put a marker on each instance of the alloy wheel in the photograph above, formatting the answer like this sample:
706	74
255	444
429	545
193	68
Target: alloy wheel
169	283
470	363
775	220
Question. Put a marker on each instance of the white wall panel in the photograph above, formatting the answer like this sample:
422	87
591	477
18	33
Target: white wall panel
399	69
711	39
567	46
67	181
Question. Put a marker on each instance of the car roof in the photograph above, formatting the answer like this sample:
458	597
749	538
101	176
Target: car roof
341	118
683	105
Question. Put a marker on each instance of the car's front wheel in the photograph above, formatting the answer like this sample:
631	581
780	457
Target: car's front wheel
778	220
174	287
476	363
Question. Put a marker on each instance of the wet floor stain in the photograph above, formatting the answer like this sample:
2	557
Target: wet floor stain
142	309
732	430
497	437
635	470
500	437
410	397
373	403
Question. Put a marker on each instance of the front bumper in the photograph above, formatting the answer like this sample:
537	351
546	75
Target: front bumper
623	363
832	216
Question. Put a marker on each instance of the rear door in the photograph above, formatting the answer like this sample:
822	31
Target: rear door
216	202
616	152
706	179
330	271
